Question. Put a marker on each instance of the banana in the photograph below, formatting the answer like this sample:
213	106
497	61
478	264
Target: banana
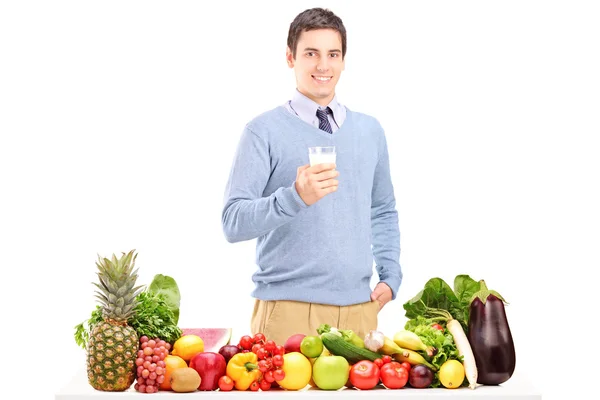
389	347
411	341
413	358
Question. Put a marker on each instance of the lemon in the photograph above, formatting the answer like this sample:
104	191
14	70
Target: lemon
452	374
188	346
298	371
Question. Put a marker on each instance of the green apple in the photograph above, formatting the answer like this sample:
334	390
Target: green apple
311	346
331	372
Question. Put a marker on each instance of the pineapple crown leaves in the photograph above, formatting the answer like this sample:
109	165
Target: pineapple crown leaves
117	293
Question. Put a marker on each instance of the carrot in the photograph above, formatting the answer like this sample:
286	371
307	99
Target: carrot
462	344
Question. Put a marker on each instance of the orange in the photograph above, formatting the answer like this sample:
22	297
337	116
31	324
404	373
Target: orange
171	364
188	346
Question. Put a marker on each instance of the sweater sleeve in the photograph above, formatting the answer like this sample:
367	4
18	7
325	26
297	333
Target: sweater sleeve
384	224
246	213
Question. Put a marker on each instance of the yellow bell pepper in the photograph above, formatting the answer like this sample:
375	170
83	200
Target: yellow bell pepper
242	368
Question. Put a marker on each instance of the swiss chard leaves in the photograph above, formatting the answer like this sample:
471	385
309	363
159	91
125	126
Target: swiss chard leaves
438	295
465	287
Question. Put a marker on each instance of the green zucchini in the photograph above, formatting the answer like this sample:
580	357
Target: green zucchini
339	347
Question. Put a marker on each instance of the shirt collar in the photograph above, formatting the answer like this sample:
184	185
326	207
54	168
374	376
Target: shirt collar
307	108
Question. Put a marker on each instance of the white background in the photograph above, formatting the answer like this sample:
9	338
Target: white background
119	120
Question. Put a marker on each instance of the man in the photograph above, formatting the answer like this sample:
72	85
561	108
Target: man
318	227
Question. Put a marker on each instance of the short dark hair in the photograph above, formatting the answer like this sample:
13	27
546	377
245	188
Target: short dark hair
311	19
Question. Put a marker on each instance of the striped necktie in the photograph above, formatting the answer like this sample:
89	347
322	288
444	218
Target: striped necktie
323	120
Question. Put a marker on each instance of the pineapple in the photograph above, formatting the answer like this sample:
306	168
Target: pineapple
113	345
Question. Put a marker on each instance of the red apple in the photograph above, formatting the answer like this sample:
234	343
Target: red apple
293	343
211	367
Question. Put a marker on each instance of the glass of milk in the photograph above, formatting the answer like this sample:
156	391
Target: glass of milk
321	155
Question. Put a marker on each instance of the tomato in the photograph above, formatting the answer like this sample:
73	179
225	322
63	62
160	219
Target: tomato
262	353
269	376
379	362
256	347
259	338
279	349
386	359
254	386
270	346
264	385
393	375
225	383
406	366
263	366
278	374
277	360
437	326
246	342
364	375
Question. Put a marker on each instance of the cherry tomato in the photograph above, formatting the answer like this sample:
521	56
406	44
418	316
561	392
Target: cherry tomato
379	362
263	366
277	361
393	375
270	346
254	386
264	385
386	359
278	374
259	338
256	347
364	375
279	349
438	327
269	361
246	342
269	376
406	365
262	353
225	383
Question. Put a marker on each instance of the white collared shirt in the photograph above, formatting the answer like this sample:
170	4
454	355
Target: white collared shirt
306	109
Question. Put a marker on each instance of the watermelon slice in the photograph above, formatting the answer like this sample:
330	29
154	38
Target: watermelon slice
213	338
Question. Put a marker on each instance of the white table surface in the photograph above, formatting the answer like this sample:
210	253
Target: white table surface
516	388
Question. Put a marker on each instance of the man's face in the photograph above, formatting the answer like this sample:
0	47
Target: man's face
318	64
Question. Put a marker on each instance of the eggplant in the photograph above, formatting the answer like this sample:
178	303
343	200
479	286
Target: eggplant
490	338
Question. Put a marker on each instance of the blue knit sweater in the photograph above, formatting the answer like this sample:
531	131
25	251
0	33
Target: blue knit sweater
321	253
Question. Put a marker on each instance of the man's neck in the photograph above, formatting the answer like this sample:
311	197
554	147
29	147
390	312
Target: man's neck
323	102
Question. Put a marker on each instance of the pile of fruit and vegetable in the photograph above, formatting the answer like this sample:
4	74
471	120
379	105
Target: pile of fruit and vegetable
454	337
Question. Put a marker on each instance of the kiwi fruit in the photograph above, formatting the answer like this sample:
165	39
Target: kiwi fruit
185	380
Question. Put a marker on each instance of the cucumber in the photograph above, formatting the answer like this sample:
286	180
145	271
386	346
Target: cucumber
339	347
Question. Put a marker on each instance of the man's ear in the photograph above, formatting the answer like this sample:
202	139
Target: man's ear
289	57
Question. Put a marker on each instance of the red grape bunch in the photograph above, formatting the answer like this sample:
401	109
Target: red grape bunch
150	364
270	358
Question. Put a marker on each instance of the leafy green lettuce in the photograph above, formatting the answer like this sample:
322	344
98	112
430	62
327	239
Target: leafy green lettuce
438	295
166	285
442	341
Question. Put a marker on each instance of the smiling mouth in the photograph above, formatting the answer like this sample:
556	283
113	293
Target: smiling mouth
322	79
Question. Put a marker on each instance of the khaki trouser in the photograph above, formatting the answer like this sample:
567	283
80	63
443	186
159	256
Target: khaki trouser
278	320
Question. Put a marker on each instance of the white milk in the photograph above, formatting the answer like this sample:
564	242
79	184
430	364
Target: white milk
321	158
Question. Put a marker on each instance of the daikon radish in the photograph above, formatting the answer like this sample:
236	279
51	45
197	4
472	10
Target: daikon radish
461	340
464	349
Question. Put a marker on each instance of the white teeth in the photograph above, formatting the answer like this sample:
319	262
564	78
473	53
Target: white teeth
322	78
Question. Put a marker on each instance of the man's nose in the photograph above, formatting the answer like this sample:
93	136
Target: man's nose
323	64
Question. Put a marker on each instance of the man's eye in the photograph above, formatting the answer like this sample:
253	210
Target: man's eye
334	55
310	54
